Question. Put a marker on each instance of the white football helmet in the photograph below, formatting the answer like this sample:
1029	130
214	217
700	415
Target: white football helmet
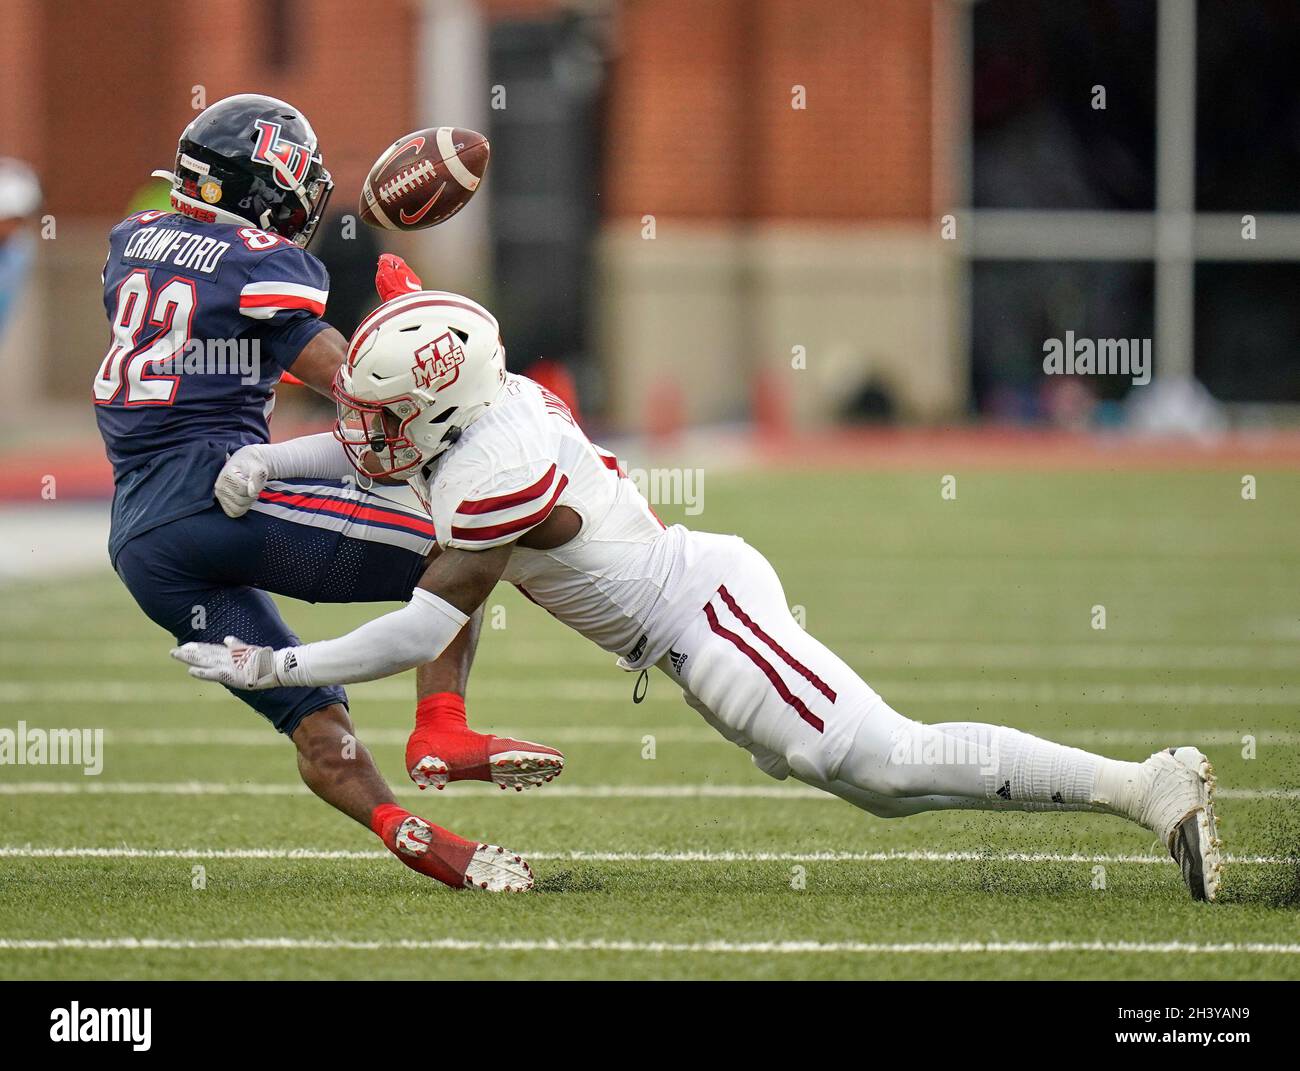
420	369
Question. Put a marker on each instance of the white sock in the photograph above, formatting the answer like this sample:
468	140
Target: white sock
1018	766
1119	787
895	756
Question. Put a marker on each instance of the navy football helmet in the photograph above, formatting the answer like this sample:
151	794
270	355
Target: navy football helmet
251	159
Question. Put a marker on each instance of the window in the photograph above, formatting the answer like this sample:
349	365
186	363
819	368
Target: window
1135	212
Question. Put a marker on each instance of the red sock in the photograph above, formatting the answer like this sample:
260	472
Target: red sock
441	717
382	817
442	731
442	710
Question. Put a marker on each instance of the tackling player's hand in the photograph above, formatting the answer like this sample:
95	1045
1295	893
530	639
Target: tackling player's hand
241	480
234	663
394	277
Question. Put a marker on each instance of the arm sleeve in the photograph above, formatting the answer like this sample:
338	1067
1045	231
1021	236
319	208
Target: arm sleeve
417	633
321	457
285	295
501	508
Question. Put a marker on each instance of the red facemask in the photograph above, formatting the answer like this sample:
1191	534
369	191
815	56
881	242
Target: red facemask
374	437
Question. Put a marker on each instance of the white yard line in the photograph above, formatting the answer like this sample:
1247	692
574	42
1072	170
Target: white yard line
1074	656
90	787
900	691
899	856
760	948
631	736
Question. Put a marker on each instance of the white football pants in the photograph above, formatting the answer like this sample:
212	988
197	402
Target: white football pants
768	686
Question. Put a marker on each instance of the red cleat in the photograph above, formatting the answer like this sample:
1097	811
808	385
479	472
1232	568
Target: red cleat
443	748
440	854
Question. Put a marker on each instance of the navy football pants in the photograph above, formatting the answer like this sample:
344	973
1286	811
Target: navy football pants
206	576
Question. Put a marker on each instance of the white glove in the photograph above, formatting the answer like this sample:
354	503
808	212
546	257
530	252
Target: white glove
234	663
241	480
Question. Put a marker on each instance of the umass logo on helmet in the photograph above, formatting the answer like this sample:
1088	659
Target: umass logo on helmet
433	362
271	145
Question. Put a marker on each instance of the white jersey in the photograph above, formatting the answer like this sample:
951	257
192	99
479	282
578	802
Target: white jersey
626	582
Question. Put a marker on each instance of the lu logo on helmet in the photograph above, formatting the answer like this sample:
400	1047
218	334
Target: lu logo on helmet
433	362
271	145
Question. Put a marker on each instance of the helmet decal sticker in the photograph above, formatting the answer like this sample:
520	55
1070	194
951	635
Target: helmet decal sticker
438	363
271	144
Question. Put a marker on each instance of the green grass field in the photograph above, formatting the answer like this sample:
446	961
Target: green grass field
689	864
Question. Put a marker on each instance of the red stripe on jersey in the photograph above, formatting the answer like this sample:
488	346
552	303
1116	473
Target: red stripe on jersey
496	531
762	663
780	652
281	301
514	498
340	508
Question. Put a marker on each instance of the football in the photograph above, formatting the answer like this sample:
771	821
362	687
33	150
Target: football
424	178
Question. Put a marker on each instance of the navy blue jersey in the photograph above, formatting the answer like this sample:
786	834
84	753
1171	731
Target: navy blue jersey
205	317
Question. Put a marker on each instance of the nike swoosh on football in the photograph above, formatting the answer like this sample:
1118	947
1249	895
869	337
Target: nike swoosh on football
415	217
417	141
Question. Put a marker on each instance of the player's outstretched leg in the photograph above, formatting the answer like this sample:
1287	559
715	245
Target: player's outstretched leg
969	764
339	769
766	684
443	748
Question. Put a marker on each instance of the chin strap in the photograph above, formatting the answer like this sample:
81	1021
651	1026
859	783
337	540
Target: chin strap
286	176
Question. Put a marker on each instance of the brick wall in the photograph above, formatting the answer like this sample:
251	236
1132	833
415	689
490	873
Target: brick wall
675	101
701	123
21	107
96	94
699	129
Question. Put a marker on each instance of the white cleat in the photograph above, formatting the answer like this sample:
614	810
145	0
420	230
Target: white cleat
522	769
1178	806
430	771
518	768
439	854
495	869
